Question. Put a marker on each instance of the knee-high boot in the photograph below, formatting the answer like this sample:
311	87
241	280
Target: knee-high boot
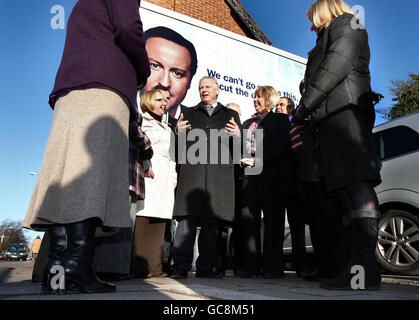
362	272
78	258
57	245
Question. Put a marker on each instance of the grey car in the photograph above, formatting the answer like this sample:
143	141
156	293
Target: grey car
397	143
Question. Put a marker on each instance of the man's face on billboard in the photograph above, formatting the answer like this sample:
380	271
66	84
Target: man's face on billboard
170	66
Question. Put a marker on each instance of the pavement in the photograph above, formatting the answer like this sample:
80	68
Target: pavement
16	284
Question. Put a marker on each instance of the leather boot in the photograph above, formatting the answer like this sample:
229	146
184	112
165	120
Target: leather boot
78	259
57	245
364	225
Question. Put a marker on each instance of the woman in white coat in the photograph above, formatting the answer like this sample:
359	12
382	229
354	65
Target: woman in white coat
159	190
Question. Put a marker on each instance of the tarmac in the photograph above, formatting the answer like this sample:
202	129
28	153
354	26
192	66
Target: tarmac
16	284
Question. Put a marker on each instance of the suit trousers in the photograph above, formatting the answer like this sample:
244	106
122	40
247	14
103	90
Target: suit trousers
184	243
295	213
262	195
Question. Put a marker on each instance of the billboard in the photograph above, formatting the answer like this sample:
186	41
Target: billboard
238	63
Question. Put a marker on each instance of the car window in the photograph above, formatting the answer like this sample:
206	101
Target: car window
396	141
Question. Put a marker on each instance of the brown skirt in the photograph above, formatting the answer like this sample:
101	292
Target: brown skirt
84	172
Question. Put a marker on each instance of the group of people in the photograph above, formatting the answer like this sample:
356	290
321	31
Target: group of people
116	200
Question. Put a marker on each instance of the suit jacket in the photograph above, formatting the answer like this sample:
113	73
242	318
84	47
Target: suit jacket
207	190
104	45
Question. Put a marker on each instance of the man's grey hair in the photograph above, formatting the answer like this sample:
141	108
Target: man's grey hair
208	77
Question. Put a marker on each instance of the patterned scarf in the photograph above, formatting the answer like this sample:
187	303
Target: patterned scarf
250	137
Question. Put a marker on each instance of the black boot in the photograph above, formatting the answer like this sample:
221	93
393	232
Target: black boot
362	265
78	259
57	245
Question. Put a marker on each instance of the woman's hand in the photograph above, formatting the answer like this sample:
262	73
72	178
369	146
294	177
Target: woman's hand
301	115
149	173
248	162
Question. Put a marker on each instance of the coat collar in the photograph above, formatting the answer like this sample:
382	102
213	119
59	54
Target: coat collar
267	118
149	117
202	106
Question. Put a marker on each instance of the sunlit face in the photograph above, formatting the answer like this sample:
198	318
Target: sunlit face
208	91
260	103
159	105
166	94
282	106
170	66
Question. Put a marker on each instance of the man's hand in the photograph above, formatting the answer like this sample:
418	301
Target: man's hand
232	128
149	173
182	125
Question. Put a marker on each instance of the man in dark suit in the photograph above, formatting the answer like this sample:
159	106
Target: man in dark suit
205	193
294	200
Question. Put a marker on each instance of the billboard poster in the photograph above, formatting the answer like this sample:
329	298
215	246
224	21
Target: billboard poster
238	63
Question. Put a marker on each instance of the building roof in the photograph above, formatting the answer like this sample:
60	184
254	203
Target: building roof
248	22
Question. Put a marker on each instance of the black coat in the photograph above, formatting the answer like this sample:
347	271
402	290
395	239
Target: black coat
206	190
338	97
276	145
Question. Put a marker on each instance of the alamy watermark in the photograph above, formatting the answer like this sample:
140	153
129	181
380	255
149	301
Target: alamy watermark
58	20
358	280
218	147
58	280
358	21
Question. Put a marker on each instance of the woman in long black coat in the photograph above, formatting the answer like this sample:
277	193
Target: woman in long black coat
337	103
262	189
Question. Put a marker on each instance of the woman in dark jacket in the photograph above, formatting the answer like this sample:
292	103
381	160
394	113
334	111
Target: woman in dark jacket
337	103
265	163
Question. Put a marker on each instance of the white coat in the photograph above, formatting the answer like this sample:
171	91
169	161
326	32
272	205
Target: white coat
160	191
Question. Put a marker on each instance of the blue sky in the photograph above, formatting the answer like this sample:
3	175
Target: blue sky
31	51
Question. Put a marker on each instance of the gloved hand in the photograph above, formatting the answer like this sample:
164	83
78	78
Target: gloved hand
301	115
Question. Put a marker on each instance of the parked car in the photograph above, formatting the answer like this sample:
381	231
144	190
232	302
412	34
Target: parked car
397	144
17	252
2	256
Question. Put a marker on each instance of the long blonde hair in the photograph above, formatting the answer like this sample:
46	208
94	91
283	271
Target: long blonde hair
323	12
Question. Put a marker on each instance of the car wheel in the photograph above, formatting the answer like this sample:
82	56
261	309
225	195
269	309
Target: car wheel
398	242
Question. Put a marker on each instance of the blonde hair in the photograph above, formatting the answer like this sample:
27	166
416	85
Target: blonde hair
323	12
148	98
270	94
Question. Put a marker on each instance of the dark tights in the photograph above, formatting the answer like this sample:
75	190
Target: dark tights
360	196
